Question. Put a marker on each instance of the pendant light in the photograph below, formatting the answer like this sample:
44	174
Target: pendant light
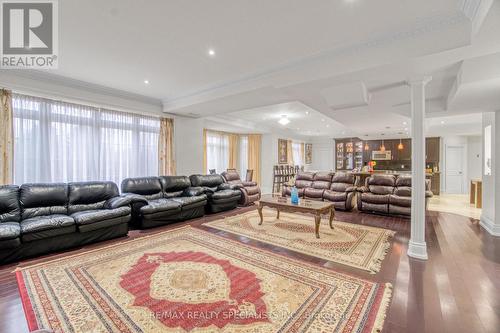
400	146
366	146
382	147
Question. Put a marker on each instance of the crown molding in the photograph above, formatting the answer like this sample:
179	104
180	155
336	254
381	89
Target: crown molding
56	86
475	11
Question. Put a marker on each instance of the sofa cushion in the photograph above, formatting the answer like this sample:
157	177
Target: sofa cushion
381	190
191	202
167	206
403	181
375	198
321	184
299	183
343	177
305	175
403	191
46	226
251	190
225	194
341	187
85	196
43	199
94	216
149	187
400	201
174	184
231	176
9	230
323	176
382	180
313	193
9	203
335	196
210	181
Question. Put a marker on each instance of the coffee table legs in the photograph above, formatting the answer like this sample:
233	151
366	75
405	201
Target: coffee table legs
259	208
317	222
332	217
277	214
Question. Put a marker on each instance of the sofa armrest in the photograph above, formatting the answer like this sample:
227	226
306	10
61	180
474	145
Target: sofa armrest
135	198
363	189
193	191
249	183
117	202
350	189
227	186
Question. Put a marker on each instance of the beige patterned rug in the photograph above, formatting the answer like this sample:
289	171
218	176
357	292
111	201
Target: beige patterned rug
350	244
189	280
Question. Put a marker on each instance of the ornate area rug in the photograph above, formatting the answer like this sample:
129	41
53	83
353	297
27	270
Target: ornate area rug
189	280
350	244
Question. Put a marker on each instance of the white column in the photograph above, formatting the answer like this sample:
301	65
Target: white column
417	247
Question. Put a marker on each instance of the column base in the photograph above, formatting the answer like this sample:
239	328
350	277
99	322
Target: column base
417	250
488	225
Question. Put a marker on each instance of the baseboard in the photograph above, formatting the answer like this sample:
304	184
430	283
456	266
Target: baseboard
488	225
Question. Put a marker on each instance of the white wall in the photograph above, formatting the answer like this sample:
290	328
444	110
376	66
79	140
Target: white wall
323	154
490	214
188	145
474	158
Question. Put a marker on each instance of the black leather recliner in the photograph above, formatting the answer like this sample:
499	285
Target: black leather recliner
221	196
41	218
163	200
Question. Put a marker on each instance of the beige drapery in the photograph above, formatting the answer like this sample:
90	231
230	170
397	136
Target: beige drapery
302	153
254	153
289	152
234	142
166	160
6	137
205	150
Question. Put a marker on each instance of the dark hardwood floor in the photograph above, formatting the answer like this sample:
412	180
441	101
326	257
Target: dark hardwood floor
456	290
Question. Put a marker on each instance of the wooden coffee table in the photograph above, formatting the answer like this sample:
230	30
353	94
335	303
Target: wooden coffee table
284	204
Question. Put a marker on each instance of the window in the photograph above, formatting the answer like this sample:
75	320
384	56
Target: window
297	155
217	151
243	156
61	142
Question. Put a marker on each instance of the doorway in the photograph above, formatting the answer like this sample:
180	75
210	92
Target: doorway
454	173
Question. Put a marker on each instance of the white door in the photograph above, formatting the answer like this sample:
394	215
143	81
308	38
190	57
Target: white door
454	181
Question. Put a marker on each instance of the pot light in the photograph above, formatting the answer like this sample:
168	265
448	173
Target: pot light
442	122
307	112
211	52
405	123
284	120
146	81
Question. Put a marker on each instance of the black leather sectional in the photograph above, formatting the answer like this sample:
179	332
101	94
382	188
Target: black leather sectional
41	218
161	200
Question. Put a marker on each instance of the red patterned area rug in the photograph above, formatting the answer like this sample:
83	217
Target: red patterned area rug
189	280
354	245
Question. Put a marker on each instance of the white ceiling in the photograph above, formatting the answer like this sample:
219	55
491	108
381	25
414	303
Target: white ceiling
345	61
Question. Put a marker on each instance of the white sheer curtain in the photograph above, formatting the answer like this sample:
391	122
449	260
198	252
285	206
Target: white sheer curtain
243	156
217	151
56	141
297	157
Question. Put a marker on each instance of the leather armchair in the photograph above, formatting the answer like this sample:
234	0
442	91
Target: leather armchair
374	196
303	180
220	196
400	200
41	218
250	191
342	191
162	200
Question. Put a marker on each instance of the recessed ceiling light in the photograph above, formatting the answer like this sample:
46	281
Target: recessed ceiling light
442	122
307	112
327	125
284	120
406	128
322	119
211	52
405	123
146	81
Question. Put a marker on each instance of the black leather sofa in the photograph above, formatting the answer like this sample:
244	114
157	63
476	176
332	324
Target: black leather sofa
40	218
162	200
221	196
